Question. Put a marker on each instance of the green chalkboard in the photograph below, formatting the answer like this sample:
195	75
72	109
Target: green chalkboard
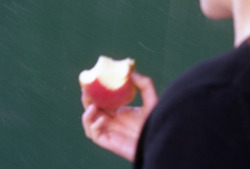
44	44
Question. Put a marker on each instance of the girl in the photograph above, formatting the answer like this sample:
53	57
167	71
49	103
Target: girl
202	124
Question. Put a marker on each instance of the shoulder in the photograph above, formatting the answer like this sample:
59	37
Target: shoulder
210	94
206	106
212	83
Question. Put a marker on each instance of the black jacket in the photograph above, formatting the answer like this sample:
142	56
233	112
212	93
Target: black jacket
202	121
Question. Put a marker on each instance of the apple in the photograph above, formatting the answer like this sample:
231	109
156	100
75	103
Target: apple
108	84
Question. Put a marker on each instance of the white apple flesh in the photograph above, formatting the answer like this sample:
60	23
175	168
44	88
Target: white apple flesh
108	84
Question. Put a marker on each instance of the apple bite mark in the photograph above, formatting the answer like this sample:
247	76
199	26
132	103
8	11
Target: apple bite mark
108	84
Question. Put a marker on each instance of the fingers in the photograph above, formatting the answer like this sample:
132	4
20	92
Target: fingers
93	122
147	89
88	118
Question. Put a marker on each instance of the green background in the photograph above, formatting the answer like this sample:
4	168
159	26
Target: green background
44	44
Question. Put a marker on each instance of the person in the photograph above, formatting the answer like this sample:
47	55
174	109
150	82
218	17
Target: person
202	120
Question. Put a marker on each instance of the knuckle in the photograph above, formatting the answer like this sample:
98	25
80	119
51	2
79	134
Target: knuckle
84	118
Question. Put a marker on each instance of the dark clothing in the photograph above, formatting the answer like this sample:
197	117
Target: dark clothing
203	120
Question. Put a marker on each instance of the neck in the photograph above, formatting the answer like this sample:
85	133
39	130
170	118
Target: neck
241	17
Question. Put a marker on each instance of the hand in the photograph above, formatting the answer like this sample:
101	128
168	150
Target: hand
120	133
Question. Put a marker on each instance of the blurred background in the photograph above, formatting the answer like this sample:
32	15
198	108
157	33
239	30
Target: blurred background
45	44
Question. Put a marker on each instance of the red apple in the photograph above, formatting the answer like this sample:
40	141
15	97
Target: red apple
108	84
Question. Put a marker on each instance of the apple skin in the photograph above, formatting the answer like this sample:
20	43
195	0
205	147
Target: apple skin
108	99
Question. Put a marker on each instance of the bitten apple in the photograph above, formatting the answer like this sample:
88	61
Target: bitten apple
108	84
